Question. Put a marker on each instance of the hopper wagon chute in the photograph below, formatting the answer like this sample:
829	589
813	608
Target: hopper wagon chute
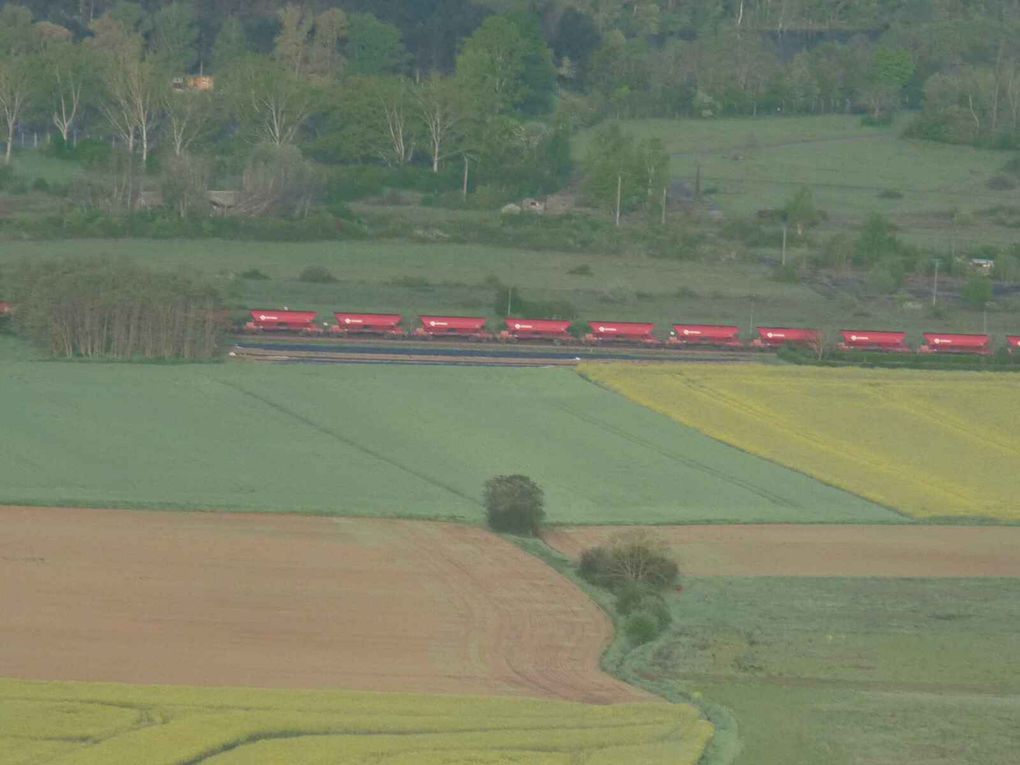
950	342
377	324
462	327
776	337
1013	343
873	340
553	330
302	322
713	335
630	332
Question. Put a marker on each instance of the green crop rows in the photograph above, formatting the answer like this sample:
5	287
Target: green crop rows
376	441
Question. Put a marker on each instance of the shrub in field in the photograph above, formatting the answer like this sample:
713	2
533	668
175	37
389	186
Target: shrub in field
641	627
977	291
631	558
254	274
514	503
317	275
632	597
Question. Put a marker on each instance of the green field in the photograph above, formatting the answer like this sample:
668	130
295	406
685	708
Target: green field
416	278
850	671
751	164
100	724
375	440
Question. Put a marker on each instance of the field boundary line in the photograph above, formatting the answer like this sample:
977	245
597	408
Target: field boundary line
842	450
690	462
898	516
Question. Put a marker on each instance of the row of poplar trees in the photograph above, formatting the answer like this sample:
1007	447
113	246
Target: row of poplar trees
108	309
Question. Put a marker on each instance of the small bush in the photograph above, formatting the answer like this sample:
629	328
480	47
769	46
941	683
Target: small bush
1001	183
890	194
977	291
515	504
253	274
629	558
594	566
41	185
633	597
582	270
317	275
640	628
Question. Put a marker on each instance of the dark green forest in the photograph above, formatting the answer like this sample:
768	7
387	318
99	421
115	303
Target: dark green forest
401	82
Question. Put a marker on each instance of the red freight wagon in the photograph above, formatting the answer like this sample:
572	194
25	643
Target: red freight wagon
385	324
536	329
944	342
1013	343
705	334
870	340
284	321
774	337
621	332
470	327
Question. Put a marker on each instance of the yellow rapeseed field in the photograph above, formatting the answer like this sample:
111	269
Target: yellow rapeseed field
930	444
101	724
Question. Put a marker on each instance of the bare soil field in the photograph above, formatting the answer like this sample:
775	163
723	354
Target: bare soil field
825	550
291	602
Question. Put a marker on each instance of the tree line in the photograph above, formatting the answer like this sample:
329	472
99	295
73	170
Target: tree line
106	309
499	91
957	62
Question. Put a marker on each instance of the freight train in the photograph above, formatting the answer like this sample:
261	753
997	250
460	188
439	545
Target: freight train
632	333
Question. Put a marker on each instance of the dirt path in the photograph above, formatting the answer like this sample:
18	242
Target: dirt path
291	602
823	550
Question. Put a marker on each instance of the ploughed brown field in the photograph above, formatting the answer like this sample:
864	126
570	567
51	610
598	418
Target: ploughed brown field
824	550
291	602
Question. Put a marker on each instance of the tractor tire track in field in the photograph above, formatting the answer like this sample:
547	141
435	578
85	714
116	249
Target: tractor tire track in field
690	462
946	419
325	430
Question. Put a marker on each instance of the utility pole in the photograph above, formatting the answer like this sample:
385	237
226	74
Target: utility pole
619	192
935	284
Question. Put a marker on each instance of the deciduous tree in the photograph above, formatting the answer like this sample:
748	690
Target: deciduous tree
272	102
68	82
441	106
16	89
374	47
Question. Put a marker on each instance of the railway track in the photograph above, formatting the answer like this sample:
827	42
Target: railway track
331	351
